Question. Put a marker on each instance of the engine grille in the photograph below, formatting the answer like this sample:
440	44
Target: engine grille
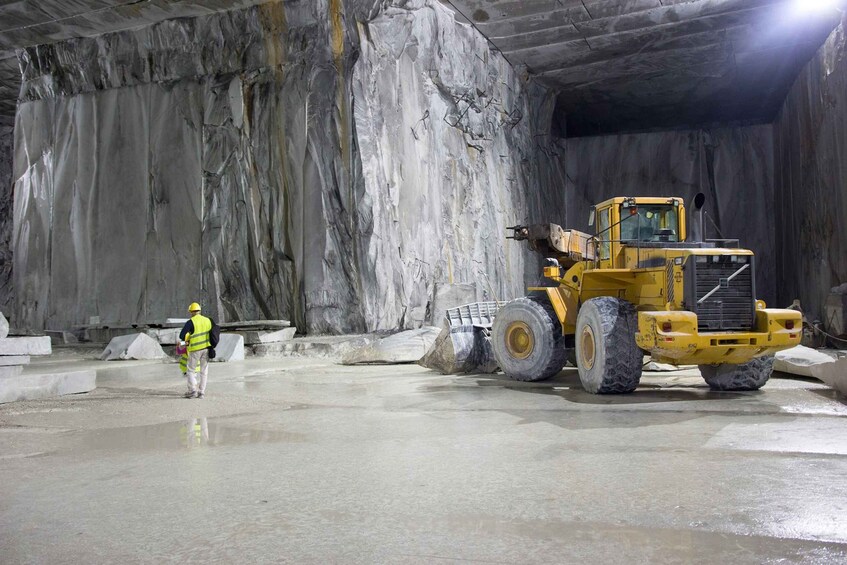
723	296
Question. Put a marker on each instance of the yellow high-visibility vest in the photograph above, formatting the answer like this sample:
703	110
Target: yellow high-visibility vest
183	363
200	338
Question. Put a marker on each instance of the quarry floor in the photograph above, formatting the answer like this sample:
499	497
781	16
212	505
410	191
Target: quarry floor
305	461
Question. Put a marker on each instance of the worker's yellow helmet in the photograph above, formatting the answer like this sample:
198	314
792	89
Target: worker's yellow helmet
194	307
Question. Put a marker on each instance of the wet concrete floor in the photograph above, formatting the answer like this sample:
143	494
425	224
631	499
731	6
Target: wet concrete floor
304	461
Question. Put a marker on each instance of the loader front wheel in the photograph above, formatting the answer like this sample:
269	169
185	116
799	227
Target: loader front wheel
748	376
527	340
608	359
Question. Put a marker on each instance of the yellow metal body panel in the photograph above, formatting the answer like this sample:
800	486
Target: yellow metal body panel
565	301
684	345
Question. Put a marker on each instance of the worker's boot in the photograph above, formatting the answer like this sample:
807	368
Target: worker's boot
190	394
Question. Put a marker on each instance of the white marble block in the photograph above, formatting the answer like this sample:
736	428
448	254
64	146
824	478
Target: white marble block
404	347
165	336
36	386
134	346
8	360
4	326
229	348
26	346
10	371
257	337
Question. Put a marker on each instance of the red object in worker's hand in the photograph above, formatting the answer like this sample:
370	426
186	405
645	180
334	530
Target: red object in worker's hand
181	349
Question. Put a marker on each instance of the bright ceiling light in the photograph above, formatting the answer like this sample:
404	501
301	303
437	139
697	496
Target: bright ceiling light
817	6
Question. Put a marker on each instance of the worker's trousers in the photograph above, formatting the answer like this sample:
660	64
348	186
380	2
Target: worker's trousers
198	362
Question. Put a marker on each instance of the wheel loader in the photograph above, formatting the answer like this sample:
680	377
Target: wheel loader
641	286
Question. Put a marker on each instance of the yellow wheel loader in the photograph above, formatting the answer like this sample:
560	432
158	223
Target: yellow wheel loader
637	286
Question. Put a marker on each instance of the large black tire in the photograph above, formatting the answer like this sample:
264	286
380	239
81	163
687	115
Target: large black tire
608	359
527	340
749	376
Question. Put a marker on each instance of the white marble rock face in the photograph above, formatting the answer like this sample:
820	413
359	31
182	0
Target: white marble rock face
280	179
810	142
7	142
4	326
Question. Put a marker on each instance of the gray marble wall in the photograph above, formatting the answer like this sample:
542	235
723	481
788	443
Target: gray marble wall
733	167
810	139
454	148
6	218
323	162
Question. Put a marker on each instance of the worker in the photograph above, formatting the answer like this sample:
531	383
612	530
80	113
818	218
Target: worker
195	333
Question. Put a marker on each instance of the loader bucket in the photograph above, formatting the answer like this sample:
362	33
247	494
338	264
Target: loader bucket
464	345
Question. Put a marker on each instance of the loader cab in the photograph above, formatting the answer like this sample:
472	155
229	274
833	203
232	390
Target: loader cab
635	223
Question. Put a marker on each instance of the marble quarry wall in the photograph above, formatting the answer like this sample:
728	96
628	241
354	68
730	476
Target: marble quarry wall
6	218
810	140
733	167
454	148
325	162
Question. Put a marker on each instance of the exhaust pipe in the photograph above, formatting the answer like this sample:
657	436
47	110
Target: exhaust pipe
697	206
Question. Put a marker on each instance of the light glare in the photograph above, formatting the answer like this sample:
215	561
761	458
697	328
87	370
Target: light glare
816	6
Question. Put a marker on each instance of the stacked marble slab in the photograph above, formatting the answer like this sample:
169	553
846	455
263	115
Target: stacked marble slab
236	336
15	384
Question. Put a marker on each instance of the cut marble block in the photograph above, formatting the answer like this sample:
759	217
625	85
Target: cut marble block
800	360
326	347
11	371
61	338
229	348
26	346
134	346
257	337
35	386
165	336
4	326
6	360
834	374
808	362
404	347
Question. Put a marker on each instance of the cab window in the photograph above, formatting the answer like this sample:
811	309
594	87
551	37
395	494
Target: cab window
603	224
650	223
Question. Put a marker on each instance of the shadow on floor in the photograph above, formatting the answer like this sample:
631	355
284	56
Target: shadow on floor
566	385
829	394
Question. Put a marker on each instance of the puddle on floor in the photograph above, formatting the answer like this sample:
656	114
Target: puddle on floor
188	434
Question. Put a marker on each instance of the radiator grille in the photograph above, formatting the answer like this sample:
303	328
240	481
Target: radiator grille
731	306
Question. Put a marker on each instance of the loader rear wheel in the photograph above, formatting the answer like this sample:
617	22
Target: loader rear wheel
608	359
527	340
748	376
